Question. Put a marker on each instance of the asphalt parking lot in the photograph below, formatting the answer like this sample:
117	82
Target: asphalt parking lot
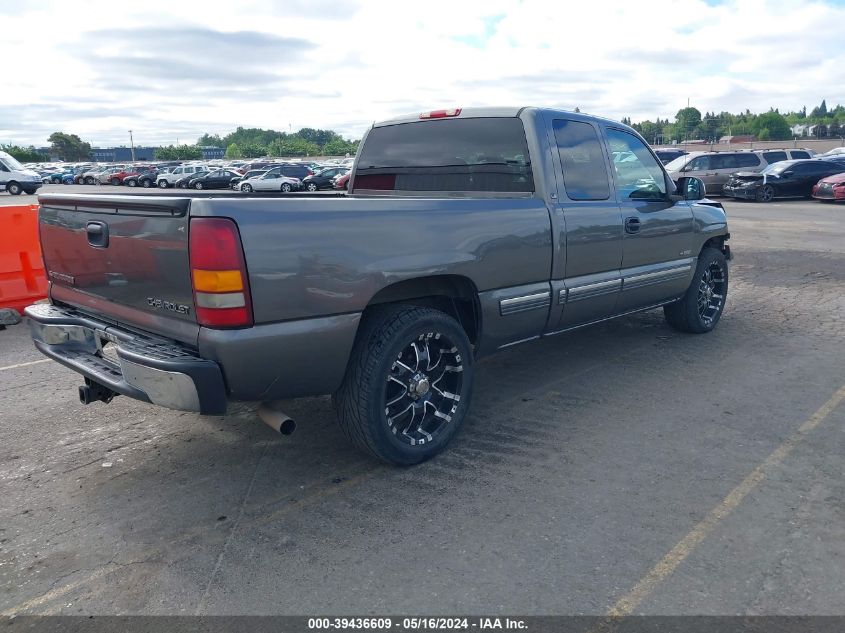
623	468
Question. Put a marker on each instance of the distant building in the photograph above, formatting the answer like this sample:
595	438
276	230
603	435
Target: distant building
799	129
122	154
209	152
738	138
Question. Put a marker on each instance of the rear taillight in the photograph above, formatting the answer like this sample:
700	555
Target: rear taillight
218	274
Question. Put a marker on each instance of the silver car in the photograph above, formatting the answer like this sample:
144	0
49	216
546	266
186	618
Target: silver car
271	181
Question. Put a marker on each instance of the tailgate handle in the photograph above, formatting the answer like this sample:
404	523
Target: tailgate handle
98	234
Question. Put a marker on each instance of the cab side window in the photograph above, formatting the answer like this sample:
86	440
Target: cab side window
3	166
799	154
582	160
639	175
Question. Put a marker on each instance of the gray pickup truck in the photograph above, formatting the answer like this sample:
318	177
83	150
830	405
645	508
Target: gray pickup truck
464	232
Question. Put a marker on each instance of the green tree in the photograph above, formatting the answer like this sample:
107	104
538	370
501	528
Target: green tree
774	123
820	111
210	140
253	150
23	154
686	120
69	147
179	152
293	146
233	151
338	147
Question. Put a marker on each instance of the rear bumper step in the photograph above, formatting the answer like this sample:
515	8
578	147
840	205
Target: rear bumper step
154	370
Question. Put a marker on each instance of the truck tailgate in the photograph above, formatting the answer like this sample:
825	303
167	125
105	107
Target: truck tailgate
124	258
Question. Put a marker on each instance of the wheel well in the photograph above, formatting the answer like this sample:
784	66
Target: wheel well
455	295
715	242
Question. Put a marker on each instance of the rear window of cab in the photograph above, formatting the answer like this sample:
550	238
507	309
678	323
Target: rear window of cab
484	154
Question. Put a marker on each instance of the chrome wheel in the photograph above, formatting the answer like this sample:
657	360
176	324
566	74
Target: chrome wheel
711	293
246	188
423	388
311	186
286	187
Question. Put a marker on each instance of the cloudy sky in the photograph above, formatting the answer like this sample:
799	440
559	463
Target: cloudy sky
173	70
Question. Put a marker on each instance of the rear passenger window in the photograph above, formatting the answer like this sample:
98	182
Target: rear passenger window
639	174
800	154
774	157
582	160
747	160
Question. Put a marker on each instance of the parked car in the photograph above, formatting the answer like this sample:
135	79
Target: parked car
323	179
714	168
668	154
217	179
830	188
836	151
342	182
144	179
91	176
270	181
184	181
786	179
253	173
15	178
168	178
384	299
291	170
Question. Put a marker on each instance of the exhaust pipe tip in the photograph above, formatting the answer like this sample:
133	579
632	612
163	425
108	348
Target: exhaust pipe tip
85	394
280	422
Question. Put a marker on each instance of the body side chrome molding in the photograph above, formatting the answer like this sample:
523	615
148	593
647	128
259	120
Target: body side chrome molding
533	301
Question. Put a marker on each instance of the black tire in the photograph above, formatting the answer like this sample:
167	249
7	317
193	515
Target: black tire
90	180
246	188
198	186
286	188
766	193
362	403
311	186
14	188
700	310
130	183
146	183
162	184
115	182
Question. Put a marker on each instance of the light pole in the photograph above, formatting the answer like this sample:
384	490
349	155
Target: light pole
132	145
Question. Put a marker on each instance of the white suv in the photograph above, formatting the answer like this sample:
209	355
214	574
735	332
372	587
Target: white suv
168	178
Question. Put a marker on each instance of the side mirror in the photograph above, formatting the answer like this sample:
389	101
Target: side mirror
690	188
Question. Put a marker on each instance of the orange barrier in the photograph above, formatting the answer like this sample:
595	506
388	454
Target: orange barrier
22	278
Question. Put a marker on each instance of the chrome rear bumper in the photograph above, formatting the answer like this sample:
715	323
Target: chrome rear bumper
154	370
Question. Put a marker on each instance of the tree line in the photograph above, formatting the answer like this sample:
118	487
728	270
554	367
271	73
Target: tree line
257	142
690	124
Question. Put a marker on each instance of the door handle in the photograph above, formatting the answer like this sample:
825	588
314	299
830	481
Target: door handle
632	225
98	234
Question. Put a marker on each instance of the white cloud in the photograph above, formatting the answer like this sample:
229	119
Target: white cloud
176	70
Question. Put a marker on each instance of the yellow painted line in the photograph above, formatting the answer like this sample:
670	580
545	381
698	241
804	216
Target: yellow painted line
669	563
55	593
33	362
